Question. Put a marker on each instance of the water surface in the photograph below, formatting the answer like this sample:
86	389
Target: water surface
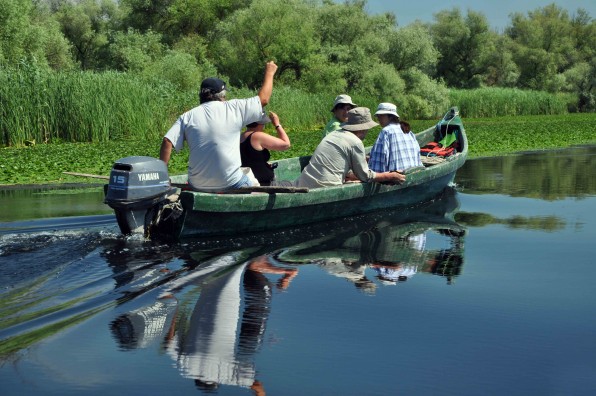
486	290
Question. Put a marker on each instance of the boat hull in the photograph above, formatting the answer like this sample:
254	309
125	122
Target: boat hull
199	222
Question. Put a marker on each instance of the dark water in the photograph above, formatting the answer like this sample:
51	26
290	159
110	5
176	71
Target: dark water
487	290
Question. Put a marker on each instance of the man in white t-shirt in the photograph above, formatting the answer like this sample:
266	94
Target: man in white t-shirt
212	132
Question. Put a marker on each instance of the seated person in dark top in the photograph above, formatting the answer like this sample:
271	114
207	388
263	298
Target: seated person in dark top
255	145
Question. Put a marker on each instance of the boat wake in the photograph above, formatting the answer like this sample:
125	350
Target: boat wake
57	273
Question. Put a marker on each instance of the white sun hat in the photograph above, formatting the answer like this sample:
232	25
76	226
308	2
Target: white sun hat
387	108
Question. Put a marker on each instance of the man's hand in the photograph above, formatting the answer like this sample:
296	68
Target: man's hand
393	177
398	177
351	177
270	68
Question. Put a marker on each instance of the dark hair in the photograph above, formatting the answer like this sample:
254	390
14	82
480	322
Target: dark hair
405	126
394	119
210	96
342	105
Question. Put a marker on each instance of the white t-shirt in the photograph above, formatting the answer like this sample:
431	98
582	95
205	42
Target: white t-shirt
212	132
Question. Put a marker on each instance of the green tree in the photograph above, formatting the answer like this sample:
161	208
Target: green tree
14	19
501	70
357	42
199	17
88	25
322	76
29	33
194	45
282	30
581	78
144	15
543	47
46	33
382	81
174	19
345	24
462	43
412	46
180	69
134	51
425	98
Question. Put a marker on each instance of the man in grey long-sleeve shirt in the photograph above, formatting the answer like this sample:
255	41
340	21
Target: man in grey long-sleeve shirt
342	151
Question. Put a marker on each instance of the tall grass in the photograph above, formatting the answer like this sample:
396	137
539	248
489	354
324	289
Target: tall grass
51	107
301	109
80	107
498	102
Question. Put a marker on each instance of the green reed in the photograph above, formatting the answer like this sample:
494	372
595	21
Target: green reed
496	102
52	107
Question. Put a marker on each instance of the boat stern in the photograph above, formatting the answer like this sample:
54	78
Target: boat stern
137	186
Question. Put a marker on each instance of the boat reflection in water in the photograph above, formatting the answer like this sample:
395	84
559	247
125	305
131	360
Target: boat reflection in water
393	246
212	319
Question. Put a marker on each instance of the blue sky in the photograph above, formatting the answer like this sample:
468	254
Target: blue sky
497	12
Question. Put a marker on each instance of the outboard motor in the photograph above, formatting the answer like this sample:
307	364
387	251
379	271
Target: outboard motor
137	185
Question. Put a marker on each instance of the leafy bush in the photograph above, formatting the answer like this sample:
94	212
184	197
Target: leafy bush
382	79
133	51
180	69
425	98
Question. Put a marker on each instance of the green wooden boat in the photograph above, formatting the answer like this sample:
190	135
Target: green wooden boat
178	213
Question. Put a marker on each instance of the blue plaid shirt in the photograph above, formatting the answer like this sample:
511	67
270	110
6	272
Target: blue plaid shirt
394	150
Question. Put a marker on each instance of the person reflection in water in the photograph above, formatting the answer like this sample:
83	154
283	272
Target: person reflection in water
352	271
211	348
398	262
391	274
214	341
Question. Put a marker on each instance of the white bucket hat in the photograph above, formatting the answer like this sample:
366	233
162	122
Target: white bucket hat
343	99
387	108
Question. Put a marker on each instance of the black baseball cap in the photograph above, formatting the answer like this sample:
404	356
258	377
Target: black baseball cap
212	85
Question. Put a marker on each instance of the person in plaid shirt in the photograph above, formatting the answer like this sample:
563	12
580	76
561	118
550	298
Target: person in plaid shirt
395	148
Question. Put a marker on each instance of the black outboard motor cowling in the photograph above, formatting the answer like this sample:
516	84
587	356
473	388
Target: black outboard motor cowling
137	184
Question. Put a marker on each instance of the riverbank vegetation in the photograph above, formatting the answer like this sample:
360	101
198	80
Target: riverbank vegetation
93	107
103	70
85	82
45	163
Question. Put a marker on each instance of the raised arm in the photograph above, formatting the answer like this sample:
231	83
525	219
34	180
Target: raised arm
261	140
267	87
